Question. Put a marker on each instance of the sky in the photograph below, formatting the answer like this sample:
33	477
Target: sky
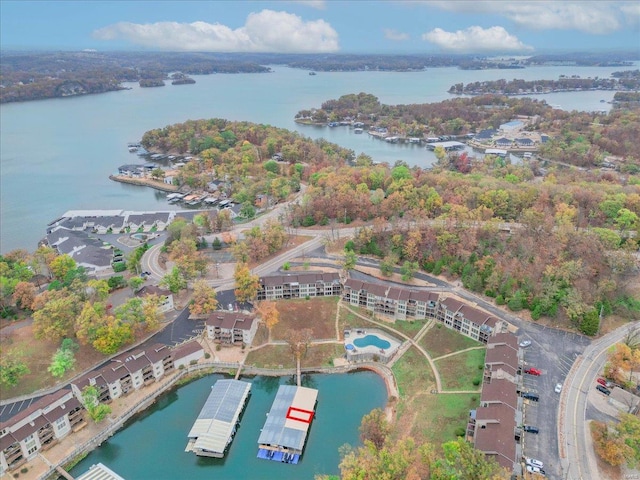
515	27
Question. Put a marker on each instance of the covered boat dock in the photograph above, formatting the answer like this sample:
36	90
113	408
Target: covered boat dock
216	424
285	432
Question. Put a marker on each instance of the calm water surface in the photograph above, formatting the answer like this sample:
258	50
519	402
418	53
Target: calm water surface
152	446
56	155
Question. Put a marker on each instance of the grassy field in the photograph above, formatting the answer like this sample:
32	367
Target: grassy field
413	374
437	417
440	340
318	314
275	356
458	372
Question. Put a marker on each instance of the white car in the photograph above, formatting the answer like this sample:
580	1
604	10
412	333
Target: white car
532	469
525	343
534	463
558	388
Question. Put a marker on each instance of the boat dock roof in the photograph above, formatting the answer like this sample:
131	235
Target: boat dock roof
99	472
216	423
289	418
446	145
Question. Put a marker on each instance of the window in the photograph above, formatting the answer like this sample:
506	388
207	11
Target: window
61	424
30	444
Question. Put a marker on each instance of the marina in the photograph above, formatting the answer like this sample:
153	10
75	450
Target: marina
284	433
218	420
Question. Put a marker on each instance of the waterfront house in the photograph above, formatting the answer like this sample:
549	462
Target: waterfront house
230	328
524	142
486	134
38	428
511	126
148	221
166	297
109	224
308	284
503	142
88	252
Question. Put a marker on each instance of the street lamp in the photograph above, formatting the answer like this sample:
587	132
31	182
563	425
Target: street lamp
217	270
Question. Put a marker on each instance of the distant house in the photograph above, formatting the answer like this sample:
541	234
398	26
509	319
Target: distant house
512	125
524	142
166	297
87	251
147	221
486	134
231	328
503	142
109	224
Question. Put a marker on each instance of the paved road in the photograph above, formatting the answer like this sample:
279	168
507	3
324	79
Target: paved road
578	462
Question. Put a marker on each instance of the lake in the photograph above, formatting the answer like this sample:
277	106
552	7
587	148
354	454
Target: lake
56	155
152	445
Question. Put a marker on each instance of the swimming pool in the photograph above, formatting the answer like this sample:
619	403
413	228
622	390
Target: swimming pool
371	340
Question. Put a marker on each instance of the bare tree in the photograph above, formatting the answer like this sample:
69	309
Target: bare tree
299	341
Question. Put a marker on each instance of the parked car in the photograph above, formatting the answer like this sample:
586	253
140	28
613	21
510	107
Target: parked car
533	371
530	429
532	469
558	388
525	343
602	381
533	462
602	389
530	396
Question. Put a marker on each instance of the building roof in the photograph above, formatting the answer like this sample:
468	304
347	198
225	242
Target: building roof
451	304
148	218
99	472
502	353
289	418
499	390
230	320
524	141
497	439
306	278
40	404
506	338
485	134
157	352
152	290
504	141
186	349
217	420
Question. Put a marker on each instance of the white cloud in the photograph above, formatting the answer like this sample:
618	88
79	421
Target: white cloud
394	35
317	4
592	17
475	39
266	31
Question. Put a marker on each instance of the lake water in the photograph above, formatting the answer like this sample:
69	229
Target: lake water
152	446
56	155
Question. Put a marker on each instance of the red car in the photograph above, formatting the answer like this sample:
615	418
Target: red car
533	371
602	382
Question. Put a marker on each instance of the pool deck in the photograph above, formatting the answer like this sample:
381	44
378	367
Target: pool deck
359	333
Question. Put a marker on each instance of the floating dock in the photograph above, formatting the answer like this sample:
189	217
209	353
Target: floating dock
216	424
285	432
99	472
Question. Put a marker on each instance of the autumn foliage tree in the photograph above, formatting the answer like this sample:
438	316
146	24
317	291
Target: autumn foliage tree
24	295
204	299
622	361
268	312
375	428
247	284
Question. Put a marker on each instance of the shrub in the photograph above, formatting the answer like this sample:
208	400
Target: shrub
474	398
286	266
459	432
24	470
476	381
207	355
500	300
116	282
218	347
181	367
119	267
193	362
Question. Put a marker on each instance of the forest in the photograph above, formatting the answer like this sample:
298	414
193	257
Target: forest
625	81
569	254
583	139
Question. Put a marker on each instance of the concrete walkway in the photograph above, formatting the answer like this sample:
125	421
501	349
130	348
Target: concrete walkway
459	351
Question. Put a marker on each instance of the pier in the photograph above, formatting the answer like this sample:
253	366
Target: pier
285	432
216	424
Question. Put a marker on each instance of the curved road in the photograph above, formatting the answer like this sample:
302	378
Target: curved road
578	461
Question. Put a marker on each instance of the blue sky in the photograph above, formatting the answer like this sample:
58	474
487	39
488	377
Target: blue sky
323	26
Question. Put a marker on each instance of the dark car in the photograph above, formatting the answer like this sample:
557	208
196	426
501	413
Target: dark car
530	429
530	396
602	389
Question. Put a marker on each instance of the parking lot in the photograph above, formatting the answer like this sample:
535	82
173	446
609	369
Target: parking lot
553	352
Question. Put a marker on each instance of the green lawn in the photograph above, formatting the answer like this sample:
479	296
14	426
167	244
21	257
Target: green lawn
438	416
440	340
458	372
413	374
409	327
275	356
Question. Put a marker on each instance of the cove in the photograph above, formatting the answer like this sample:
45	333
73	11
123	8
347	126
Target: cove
151	445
